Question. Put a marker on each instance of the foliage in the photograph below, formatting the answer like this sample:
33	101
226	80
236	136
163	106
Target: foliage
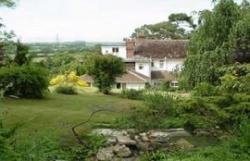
171	29
159	104
132	94
201	114
215	42
67	83
66	89
233	84
21	54
104	69
8	3
61	63
6	136
204	89
69	78
28	81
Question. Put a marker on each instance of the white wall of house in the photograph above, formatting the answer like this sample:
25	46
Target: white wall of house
166	64
122	52
136	86
143	68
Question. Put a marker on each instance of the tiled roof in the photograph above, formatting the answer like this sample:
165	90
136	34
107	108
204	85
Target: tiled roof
172	49
128	77
132	77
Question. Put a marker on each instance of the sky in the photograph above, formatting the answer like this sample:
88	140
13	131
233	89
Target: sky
90	20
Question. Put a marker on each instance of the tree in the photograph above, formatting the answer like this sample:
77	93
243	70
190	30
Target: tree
175	28
21	54
215	41
5	37
7	3
104	69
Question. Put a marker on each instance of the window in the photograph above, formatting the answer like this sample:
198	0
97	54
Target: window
106	51
152	64
161	63
175	84
140	66
115	50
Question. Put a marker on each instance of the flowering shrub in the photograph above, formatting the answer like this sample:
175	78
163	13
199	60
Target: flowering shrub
69	80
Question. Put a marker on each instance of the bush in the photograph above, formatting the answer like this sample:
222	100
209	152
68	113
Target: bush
69	90
132	94
160	103
200	114
165	85
204	89
28	81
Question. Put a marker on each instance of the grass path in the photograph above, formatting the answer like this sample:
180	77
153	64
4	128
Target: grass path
58	113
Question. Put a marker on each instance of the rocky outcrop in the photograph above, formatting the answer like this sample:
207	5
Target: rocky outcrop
126	145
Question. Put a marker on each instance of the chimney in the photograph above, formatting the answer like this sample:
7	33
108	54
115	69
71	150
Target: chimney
130	47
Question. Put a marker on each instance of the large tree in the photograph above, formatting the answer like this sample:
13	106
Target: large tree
175	28
222	34
104	69
5	37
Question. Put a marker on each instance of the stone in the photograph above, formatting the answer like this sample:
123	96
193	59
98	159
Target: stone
105	154
184	144
179	134
144	137
202	132
111	140
142	146
158	136
109	132
122	151
125	140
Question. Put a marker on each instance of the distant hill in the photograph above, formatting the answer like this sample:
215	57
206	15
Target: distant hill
62	47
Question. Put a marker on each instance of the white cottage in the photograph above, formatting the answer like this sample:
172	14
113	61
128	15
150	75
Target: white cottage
147	61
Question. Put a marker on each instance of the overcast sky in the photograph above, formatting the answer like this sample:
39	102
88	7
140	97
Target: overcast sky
90	20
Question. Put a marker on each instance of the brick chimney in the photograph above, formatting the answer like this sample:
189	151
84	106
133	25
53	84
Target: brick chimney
130	47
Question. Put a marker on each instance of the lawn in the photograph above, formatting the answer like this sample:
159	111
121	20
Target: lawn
56	114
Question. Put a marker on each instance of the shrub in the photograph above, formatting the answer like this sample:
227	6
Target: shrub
204	89
159	103
28	81
200	114
132	94
233	84
165	85
64	89
239	112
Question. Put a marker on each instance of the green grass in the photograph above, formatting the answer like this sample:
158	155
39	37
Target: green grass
56	114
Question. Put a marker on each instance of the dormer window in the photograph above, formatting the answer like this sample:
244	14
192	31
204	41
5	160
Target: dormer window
115	50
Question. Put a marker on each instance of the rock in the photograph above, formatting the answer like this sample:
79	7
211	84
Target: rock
144	137
142	146
109	132
105	154
201	132
158	136
125	140
122	151
184	144
111	140
179	134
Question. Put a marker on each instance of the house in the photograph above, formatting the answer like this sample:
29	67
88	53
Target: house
147	61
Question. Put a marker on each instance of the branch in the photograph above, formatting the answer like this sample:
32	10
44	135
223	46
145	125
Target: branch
77	136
